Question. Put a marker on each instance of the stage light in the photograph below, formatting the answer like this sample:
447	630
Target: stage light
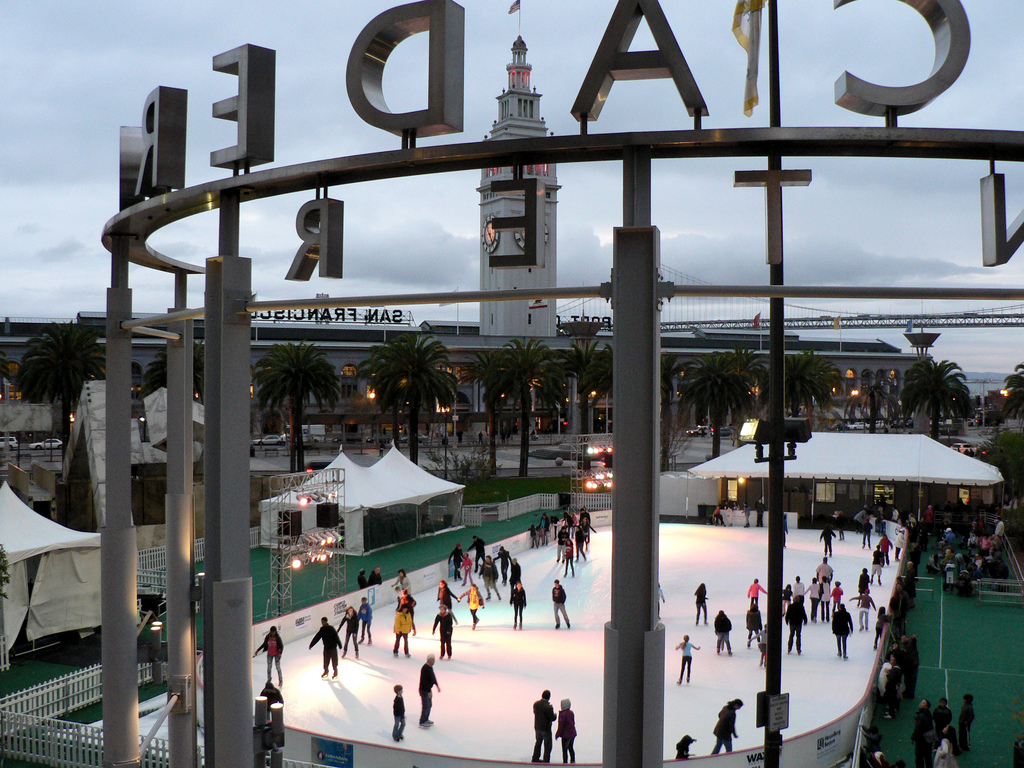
297	562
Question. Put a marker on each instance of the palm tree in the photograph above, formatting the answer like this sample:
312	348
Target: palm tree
532	369
577	361
597	381
5	367
57	364
489	369
288	375
810	382
876	400
939	389
713	384
1013	406
411	371
671	368
156	372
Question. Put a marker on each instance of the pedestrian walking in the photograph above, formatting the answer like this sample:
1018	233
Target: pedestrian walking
566	731
923	735
398	707
558	598
518	602
274	646
687	648
446	620
428	681
725	728
842	626
327	635
964	722
702	602
365	620
723	626
543	717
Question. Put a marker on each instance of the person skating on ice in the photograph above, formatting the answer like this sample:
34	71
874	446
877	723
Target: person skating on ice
446	621
568	557
701	594
365	620
274	646
398	708
558	600
518	602
350	622
327	635
403	625
566	731
725	728
864	605
406	600
687	648
504	559
754	624
476	602
753	591
428	681
723	626
796	618
842	626
489	571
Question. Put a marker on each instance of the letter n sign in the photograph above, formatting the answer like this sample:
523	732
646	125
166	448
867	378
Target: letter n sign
530	223
321	225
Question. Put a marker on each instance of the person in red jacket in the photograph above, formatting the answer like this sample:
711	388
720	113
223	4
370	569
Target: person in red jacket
273	645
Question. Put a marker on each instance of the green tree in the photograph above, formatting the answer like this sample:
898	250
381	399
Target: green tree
871	403
938	389
1013	407
155	375
411	372
5	367
597	381
489	369
289	375
1006	453
810	382
57	364
671	367
713	384
533	369
577	361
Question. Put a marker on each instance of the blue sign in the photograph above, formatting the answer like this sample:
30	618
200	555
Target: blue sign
331	752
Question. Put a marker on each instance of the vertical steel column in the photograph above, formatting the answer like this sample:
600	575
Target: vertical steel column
119	550
227	587
181	626
634	652
776	409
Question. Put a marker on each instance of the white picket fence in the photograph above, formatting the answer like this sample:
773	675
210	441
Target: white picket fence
479	513
152	562
5	654
65	693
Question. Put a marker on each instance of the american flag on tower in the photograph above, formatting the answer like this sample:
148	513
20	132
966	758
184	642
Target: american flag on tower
514	8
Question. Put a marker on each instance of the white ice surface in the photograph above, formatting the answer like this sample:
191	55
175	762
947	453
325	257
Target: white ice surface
484	708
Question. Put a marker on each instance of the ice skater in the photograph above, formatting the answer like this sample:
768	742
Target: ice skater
567	555
518	602
864	605
327	635
877	560
796	618
504	558
274	646
826	536
723	626
398	708
446	621
725	728
754	624
490	573
428	681
403	624
687	648
558	599
566	731
476	602
842	626
365	620
406	600
702	602
444	594
753	591
350	621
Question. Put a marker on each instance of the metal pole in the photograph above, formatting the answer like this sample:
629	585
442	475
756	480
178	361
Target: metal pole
181	625
634	653
227	588
776	408
119	550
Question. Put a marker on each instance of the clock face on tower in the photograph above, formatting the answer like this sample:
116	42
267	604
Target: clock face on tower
489	236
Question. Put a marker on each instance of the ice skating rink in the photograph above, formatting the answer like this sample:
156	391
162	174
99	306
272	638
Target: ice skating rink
484	708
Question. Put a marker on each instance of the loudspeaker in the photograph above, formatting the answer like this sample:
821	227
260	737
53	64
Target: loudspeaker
291	525
327	515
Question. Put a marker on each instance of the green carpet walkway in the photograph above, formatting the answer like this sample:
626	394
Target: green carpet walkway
965	647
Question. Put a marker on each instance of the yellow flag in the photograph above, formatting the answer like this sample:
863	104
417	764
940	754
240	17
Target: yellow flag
746	25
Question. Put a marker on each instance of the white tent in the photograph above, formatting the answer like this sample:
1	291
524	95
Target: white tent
66	584
845	456
392	480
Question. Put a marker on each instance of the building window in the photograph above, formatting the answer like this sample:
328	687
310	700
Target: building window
825	492
348	370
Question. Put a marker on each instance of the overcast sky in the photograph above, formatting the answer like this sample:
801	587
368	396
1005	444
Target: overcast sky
74	72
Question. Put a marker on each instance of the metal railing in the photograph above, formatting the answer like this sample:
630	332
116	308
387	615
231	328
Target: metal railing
1000	591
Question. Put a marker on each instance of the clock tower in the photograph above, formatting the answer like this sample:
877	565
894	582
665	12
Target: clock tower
518	118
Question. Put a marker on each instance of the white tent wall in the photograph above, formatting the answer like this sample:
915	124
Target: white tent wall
65	595
679	493
16	601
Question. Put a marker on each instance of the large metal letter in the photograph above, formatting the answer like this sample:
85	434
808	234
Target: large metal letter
531	223
131	149
162	165
614	61
321	225
998	243
252	108
446	22
952	33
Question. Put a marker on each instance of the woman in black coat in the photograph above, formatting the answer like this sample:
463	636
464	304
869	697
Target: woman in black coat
518	603
515	573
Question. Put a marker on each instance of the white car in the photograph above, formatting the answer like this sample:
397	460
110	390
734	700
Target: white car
269	440
965	448
12	442
51	443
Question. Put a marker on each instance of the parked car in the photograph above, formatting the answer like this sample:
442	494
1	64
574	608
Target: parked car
12	442
51	443
699	431
268	440
965	448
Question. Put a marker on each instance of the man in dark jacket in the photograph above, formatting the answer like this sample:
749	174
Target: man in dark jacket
504	558
479	553
375	577
922	726
428	681
543	717
447	622
796	617
328	635
558	598
842	626
723	626
942	716
725	728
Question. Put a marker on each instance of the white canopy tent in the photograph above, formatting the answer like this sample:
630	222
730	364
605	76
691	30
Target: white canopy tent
66	584
845	456
392	480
